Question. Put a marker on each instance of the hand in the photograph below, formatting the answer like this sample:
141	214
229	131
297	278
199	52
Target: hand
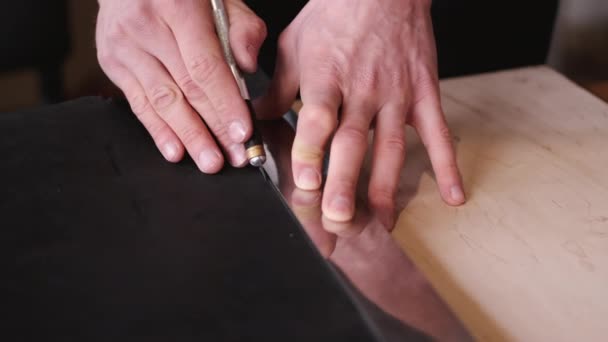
166	58
357	64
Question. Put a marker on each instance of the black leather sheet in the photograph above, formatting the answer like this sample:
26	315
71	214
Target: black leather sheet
102	240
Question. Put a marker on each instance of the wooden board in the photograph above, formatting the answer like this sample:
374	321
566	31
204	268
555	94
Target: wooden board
526	258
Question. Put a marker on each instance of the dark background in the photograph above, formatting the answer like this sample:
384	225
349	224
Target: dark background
48	47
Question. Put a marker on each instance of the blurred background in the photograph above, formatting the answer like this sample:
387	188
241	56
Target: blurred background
48	50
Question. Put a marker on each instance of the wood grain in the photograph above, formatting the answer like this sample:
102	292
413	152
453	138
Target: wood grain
526	258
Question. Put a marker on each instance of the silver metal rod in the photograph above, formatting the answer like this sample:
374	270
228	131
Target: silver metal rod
222	26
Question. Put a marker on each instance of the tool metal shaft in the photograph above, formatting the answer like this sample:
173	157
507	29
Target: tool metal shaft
222	27
254	146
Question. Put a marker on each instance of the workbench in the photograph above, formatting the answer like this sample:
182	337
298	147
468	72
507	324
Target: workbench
105	239
526	258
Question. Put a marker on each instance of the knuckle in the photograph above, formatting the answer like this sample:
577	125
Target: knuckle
321	119
204	67
352	135
425	90
116	32
157	130
219	129
366	81
284	41
190	89
258	26
398	80
395	142
445	134
224	107
139	105
107	60
137	17
330	70
190	135
142	110
164	97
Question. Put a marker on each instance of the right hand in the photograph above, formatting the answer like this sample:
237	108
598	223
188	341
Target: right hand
166	58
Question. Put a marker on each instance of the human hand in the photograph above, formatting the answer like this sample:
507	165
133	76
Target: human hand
166	58
358	64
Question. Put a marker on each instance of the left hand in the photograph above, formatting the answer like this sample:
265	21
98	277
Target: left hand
358	64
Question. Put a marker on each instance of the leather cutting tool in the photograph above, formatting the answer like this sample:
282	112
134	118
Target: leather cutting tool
254	146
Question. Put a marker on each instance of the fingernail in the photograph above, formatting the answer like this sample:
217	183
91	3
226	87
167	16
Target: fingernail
209	160
170	151
252	50
237	155
309	179
457	194
341	209
236	131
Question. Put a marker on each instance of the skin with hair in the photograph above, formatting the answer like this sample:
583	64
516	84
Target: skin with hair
357	64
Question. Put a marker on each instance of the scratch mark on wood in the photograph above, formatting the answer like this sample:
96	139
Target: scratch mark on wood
599	234
578	251
557	204
601	219
547	148
527	245
586	265
476	246
588	205
574	248
466	240
464	104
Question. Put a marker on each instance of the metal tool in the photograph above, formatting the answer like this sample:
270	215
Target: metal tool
255	145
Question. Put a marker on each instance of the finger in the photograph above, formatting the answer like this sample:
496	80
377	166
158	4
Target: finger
247	33
346	229
306	206
199	47
165	49
165	139
346	158
168	101
284	86
237	155
387	161
429	122
317	122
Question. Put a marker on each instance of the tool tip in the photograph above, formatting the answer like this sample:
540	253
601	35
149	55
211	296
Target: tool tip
257	160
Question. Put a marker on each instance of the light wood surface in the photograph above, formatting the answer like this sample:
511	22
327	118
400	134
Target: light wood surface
526	258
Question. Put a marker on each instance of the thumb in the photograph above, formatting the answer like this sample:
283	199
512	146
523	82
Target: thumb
247	33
